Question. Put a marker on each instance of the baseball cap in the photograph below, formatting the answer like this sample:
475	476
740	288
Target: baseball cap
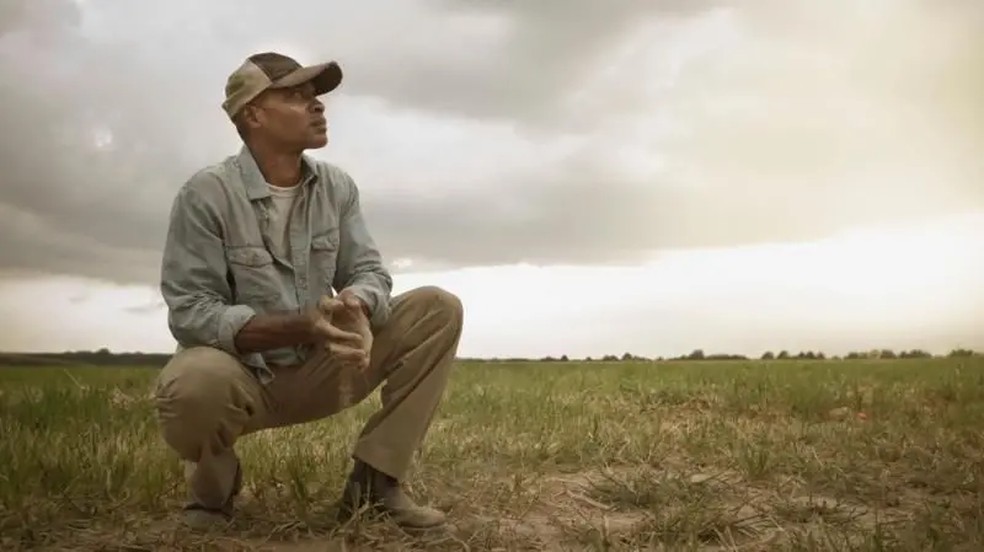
274	70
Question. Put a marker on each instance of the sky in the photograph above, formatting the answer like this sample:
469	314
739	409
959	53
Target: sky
591	178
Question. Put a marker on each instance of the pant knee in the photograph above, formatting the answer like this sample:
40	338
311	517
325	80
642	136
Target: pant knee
442	304
200	404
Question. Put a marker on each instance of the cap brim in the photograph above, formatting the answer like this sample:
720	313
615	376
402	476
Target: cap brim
325	77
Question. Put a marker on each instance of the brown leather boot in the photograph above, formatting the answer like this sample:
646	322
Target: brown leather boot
200	517
367	486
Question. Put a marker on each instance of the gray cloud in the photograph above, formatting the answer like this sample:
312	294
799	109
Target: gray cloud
577	212
28	242
520	63
45	18
93	152
694	123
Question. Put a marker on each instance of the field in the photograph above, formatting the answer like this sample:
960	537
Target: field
784	455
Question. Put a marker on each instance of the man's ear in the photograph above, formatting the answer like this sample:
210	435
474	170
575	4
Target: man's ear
249	117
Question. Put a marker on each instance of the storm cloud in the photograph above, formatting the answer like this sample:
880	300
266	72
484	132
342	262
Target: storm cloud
548	132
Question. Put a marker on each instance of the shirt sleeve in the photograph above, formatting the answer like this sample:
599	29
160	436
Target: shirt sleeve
193	279
360	266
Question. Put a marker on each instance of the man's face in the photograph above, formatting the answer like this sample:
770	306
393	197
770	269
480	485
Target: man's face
292	118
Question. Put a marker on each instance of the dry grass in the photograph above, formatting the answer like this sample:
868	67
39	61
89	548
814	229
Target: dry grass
614	456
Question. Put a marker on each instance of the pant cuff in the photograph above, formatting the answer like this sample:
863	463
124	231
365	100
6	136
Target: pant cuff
383	459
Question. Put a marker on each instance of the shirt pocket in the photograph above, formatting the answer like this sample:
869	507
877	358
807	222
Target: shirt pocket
324	258
253	275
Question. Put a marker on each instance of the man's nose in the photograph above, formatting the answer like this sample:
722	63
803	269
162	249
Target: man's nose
317	106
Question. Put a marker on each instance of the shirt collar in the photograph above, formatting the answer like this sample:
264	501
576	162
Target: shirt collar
256	185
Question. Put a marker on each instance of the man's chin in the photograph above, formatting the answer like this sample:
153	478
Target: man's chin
317	142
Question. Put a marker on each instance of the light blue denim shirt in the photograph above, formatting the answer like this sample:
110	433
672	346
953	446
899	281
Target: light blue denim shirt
219	269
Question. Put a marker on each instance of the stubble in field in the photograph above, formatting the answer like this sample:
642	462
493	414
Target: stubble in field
797	455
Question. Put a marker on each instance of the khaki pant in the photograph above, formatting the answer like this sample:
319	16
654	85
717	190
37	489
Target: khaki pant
206	399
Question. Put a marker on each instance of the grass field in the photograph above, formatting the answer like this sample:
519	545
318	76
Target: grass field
789	455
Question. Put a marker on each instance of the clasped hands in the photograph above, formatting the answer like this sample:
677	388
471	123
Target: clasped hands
340	324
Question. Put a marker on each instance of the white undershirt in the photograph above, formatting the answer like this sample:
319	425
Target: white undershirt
283	205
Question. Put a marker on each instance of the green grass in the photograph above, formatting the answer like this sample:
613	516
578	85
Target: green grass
603	456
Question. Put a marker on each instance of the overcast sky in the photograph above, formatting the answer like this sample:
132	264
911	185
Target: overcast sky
682	169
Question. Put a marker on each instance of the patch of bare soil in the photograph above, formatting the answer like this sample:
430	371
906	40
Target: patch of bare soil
633	508
626	508
559	516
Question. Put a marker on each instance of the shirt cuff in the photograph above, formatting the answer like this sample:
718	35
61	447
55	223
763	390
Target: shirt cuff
230	322
379	309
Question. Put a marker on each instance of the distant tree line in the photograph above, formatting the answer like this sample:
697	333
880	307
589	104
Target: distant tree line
101	357
699	354
104	357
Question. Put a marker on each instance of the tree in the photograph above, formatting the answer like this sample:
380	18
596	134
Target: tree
768	356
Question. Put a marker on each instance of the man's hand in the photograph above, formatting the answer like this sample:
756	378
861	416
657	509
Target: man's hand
345	325
357	320
354	303
324	322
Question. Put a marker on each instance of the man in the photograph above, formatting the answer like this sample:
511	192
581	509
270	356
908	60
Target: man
256	246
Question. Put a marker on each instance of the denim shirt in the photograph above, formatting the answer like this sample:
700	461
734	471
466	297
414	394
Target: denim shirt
219	269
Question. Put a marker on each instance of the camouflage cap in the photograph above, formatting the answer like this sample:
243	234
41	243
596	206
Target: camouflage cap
272	70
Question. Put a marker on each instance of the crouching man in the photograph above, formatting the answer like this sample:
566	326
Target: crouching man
256	245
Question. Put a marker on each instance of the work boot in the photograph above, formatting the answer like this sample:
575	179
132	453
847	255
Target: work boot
200	517
367	486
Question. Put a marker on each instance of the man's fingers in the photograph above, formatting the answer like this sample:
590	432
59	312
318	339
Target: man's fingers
350	302
345	346
336	334
345	353
328	305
